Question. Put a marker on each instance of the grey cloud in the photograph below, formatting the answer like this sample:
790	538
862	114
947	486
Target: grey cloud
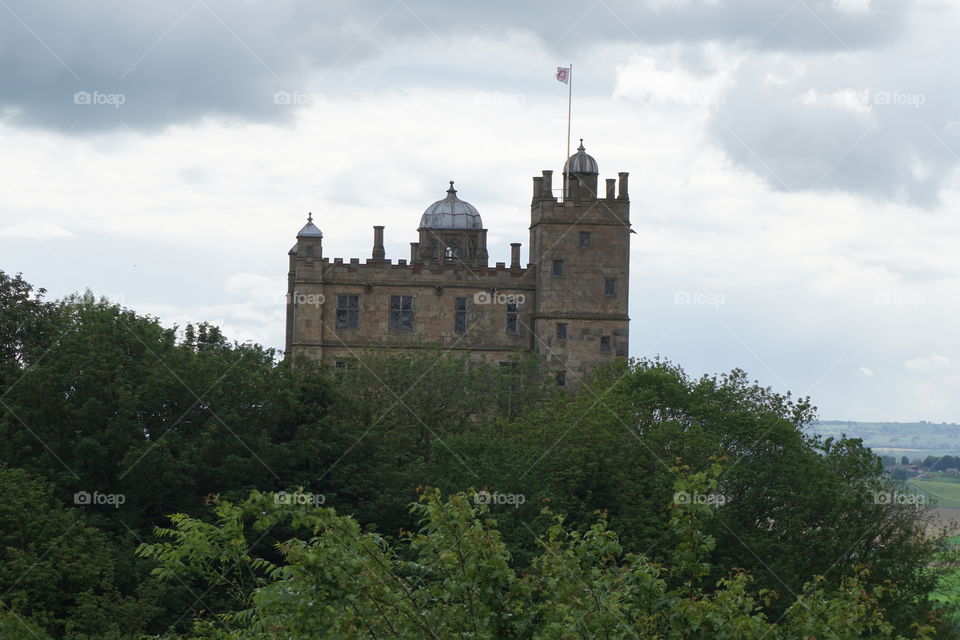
878	125
178	62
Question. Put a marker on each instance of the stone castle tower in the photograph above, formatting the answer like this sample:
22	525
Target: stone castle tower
568	305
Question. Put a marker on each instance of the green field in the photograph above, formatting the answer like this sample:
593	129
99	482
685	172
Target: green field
945	490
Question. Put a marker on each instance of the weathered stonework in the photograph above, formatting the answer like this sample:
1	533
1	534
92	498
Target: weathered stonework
447	295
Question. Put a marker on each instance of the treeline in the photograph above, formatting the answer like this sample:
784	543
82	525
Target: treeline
941	463
110	423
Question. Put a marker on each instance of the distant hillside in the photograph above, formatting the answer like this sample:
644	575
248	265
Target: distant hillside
913	439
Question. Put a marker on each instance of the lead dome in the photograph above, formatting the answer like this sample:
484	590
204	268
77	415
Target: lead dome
451	213
581	162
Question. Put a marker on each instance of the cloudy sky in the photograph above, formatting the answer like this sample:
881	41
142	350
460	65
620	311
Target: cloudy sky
794	164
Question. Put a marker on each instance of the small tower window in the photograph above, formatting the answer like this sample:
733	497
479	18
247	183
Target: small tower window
460	315
512	317
604	344
561	331
561	378
348	312
401	313
558	267
309	251
584	239
610	286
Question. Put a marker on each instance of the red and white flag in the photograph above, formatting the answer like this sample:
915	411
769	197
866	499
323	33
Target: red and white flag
563	74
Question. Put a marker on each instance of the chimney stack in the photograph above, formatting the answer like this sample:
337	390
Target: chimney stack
547	184
514	255
624	195
611	188
378	252
414	252
537	187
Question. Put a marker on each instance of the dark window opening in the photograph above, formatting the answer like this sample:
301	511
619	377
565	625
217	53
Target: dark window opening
558	267
561	331
561	378
348	312
460	315
512	322
346	363
604	344
401	313
584	239
610	286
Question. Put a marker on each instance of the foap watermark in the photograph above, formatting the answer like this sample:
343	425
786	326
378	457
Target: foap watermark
898	98
305	299
698	297
486	297
896	497
513	499
85	498
713	499
899	298
99	99
495	98
299	498
298	98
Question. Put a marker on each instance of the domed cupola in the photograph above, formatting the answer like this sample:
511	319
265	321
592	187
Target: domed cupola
451	232
451	213
309	241
581	162
310	230
580	174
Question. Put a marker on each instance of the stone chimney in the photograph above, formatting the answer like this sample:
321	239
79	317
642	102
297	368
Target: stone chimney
414	252
547	184
611	188
378	252
624	194
514	255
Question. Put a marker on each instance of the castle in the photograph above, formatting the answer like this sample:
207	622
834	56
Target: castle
568	305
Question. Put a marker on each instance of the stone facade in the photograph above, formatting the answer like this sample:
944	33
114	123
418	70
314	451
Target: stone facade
568	304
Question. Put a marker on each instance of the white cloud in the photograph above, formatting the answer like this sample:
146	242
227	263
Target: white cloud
853	6
928	364
34	229
864	371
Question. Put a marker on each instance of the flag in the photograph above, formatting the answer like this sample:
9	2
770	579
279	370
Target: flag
563	74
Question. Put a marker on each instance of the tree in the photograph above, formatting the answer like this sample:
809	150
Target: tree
794	506
58	573
453	579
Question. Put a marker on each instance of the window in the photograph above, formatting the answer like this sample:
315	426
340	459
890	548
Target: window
346	363
401	313
453	249
460	315
604	344
584	239
558	267
610	286
511	317
561	378
561	331
310	252
348	312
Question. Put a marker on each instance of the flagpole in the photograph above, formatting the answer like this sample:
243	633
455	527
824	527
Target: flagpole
566	176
